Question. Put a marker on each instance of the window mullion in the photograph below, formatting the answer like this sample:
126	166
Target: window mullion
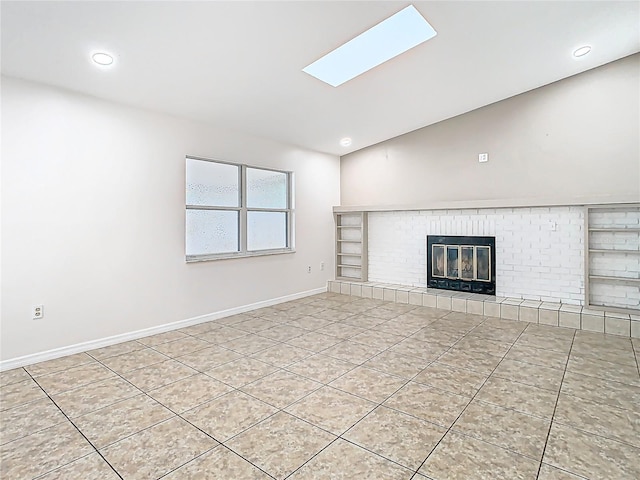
243	209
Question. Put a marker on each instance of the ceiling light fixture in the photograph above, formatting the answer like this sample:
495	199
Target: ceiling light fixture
103	59
345	142
384	41
582	51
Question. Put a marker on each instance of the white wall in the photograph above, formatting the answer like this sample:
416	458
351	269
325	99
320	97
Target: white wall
539	251
93	220
571	142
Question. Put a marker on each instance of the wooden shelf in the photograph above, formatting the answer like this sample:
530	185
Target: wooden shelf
349	254
349	241
350	266
616	230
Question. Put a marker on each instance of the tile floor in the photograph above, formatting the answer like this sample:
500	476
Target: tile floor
331	387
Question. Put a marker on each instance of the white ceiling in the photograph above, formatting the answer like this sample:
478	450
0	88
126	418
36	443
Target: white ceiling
239	64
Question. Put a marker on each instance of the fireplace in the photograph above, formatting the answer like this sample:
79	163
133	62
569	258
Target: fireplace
465	264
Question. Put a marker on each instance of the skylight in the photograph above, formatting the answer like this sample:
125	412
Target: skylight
386	40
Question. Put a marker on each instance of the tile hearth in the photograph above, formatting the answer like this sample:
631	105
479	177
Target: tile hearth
333	386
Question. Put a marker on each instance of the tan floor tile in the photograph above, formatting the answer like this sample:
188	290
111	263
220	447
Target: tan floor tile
396	436
428	351
394	363
181	347
451	379
200	328
550	331
117	349
131	361
255	325
161	338
58	364
74	377
13	376
484	345
558	344
281	388
617	372
505	428
115	422
321	368
189	392
437	334
45	450
159	374
282	355
94	396
222	335
309	323
166	446
534	375
538	356
249	344
428	403
488	330
462	457
400	326
280	444
332	315
598	390
352	352
314	341
590	455
28	418
90	467
345	461
208	358
282	333
363	321
219	463
331	409
518	396
16	394
229	414
604	420
377	339
368	383
483	363
340	330
241	372
548	472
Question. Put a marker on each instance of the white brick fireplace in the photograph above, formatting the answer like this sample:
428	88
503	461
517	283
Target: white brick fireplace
539	251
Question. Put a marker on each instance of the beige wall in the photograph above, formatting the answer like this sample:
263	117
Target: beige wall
575	140
93	220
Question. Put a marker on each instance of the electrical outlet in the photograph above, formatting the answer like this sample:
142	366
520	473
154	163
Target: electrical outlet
483	157
37	312
321	266
309	269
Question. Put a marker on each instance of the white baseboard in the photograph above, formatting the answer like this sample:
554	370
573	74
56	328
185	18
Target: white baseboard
125	337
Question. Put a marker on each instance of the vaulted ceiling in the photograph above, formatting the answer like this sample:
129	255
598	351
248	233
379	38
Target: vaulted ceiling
239	64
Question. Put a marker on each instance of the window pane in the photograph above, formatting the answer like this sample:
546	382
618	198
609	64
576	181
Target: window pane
212	184
212	231
266	189
266	230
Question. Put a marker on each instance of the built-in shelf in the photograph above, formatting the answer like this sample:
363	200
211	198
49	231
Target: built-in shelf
351	241
611	255
611	250
614	279
625	230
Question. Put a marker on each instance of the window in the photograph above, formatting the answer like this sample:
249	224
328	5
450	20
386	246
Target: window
236	210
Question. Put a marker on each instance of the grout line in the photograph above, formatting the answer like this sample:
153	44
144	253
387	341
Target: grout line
546	441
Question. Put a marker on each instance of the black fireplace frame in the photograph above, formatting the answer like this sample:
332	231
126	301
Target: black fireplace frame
469	286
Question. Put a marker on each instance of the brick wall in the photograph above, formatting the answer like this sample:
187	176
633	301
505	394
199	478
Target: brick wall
539	251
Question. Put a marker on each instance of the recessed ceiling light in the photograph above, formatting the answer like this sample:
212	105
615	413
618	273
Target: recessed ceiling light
102	58
386	40
582	51
345	142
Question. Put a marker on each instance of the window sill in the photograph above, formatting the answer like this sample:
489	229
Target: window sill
227	256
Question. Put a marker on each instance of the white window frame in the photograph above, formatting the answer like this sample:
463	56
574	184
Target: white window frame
242	210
